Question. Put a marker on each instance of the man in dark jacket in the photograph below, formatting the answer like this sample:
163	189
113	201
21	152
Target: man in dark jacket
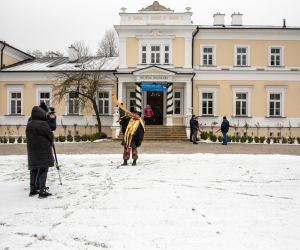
39	150
195	127
160	115
133	134
224	129
192	129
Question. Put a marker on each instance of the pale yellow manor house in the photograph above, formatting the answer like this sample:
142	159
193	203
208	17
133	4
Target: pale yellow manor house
241	71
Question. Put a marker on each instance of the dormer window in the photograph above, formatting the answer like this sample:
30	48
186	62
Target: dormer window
155	54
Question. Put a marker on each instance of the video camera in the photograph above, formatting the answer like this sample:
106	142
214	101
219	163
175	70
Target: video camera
51	111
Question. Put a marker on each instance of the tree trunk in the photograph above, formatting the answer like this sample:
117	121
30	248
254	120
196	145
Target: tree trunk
97	115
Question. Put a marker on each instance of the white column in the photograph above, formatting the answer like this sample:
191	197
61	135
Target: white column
122	53
188	52
188	95
120	91
138	102
169	102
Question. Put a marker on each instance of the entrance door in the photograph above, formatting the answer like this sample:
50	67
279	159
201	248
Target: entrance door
155	98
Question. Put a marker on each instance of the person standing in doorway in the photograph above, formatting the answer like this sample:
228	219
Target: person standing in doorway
148	115
159	115
224	129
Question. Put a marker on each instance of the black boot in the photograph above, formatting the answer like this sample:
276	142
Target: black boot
195	143
43	192
134	163
125	163
33	191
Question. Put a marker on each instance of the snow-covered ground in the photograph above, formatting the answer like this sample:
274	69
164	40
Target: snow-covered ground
186	202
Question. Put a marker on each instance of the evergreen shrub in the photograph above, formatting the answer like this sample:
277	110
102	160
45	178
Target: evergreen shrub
228	138
19	140
220	138
213	138
237	138
250	139
1	140
56	138
256	139
298	140
243	139
25	141
262	139
284	140
233	138
62	138
12	140
84	138
204	135
4	140
77	138
268	140
291	140
93	138
70	138
276	140
88	137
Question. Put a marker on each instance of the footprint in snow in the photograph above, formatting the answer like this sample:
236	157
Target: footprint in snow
68	214
66	206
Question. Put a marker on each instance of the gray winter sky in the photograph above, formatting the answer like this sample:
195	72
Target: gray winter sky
55	24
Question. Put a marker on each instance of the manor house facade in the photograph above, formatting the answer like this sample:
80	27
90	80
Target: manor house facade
247	73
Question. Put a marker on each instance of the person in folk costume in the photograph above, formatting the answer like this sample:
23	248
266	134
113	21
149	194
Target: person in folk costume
133	134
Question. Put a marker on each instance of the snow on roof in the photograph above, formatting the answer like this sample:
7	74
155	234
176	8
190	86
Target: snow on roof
247	27
62	64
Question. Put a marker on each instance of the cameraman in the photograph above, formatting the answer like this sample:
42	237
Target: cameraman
51	120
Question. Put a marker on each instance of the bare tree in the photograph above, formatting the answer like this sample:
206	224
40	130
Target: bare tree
109	45
36	53
83	49
58	53
81	82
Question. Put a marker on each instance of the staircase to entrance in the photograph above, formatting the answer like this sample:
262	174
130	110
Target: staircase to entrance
163	133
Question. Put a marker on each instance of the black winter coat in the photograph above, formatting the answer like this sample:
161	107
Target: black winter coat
225	126
139	133
39	140
191	123
195	125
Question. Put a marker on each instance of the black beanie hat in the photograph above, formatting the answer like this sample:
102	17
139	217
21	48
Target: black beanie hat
44	106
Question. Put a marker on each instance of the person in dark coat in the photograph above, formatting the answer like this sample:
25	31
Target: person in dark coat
133	134
39	150
195	126
160	115
224	129
192	129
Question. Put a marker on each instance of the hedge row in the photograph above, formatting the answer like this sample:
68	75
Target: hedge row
79	138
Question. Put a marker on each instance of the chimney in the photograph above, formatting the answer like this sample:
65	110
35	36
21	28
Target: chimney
73	54
219	19
52	54
237	19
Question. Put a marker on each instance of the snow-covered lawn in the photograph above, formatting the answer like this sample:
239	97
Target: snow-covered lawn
186	202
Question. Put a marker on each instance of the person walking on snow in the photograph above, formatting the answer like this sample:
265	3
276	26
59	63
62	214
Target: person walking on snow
148	115
196	129
133	134
39	150
224	129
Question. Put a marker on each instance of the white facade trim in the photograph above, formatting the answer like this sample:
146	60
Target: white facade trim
276	90
214	51
40	88
209	89
247	46
242	89
281	47
14	88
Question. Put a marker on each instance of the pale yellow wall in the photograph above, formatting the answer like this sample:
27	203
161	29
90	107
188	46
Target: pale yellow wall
8	60
178	51
258	52
177	121
132	52
258	97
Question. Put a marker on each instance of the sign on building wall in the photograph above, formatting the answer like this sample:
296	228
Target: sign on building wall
154	87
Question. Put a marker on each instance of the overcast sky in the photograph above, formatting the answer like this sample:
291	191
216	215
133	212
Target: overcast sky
55	24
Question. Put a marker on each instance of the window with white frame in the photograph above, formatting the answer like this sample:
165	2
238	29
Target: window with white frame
208	54
103	103
275	104
44	97
208	100
207	103
16	103
275	99
73	103
177	100
155	54
132	101
167	54
14	99
276	54
241	104
241	100
241	55
144	54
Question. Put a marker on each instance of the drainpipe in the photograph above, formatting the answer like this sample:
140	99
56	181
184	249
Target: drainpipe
1	66
193	65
